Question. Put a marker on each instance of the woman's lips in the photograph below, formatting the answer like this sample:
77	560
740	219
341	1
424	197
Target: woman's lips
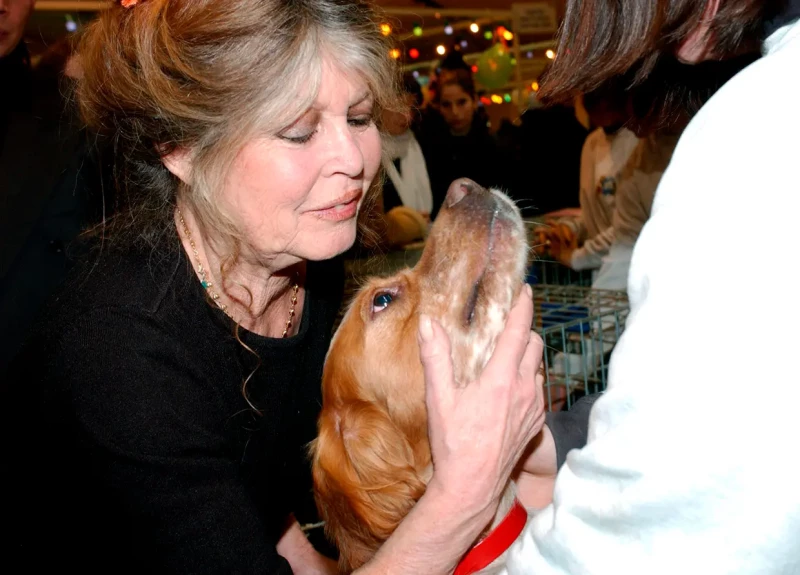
344	208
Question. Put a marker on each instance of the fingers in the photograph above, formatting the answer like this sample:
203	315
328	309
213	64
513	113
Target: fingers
532	360
437	362
512	343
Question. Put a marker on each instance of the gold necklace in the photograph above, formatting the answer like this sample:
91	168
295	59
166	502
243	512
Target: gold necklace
209	287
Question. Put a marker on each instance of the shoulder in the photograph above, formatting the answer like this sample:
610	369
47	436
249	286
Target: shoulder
595	139
742	141
135	278
752	114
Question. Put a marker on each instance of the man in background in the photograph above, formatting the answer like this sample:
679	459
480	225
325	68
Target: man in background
42	191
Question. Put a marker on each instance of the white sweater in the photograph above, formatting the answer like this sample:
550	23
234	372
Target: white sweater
691	465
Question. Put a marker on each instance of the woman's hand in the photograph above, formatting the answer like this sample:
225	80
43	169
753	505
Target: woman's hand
479	432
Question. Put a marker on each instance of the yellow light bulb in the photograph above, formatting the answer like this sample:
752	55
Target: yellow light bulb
394	53
508	36
550	54
440	49
386	29
474	28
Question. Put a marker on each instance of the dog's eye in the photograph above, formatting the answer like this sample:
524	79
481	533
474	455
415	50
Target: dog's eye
381	301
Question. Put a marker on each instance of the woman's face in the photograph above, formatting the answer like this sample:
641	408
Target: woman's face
298	193
457	107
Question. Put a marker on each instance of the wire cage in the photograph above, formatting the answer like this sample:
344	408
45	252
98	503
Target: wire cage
548	272
580	327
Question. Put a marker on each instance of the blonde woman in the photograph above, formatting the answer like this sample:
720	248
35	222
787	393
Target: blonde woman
158	420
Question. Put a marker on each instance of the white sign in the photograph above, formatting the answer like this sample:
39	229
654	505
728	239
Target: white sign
534	18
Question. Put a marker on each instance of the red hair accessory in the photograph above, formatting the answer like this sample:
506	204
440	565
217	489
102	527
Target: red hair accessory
129	3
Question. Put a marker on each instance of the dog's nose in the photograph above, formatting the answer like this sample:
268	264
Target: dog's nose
459	189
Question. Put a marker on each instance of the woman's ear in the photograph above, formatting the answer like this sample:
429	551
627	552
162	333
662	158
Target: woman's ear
178	162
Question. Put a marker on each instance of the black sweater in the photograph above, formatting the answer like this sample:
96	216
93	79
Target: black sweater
129	445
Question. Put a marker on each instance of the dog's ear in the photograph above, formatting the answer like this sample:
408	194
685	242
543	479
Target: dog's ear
365	478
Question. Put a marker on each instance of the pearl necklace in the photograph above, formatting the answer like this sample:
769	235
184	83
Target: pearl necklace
209	287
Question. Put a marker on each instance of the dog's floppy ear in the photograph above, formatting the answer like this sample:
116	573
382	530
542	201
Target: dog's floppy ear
365	478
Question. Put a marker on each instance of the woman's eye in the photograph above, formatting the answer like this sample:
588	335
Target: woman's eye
360	121
381	301
299	139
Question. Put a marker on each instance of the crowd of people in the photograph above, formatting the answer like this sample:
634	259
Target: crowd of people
156	414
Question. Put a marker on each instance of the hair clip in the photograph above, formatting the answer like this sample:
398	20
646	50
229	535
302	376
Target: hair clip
129	3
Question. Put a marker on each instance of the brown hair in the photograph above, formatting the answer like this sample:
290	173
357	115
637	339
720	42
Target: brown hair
600	39
463	79
208	76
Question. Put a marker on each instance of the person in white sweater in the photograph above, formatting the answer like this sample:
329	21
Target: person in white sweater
682	472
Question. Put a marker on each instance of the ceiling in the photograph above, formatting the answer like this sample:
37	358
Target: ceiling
53	18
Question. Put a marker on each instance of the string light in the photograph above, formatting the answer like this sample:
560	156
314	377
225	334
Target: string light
448	29
386	29
488	34
513	61
474	69
413	53
508	35
440	49
550	54
529	55
535	86
464	44
507	97
394	53
417	30
497	99
474	28
415	73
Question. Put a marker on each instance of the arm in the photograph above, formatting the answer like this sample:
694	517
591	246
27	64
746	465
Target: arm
590	254
474	455
563	432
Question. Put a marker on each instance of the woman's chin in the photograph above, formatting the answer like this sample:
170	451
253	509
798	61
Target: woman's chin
329	245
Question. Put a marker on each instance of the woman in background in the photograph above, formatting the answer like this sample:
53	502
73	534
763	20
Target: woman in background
465	148
406	196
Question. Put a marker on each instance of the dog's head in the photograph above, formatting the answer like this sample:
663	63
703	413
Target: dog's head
371	457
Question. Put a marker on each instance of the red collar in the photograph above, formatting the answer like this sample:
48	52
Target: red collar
496	543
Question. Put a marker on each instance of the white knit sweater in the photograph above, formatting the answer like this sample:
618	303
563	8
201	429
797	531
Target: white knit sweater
691	462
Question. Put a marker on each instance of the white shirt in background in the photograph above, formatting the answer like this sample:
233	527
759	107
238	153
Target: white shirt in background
603	159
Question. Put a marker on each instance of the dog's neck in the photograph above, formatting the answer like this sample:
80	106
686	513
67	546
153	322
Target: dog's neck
488	556
507	502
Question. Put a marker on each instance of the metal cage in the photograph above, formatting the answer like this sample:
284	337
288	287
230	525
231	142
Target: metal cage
580	327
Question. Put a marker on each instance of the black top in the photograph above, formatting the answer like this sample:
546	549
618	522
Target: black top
129	444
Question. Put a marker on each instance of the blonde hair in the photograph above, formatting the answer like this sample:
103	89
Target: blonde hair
207	76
